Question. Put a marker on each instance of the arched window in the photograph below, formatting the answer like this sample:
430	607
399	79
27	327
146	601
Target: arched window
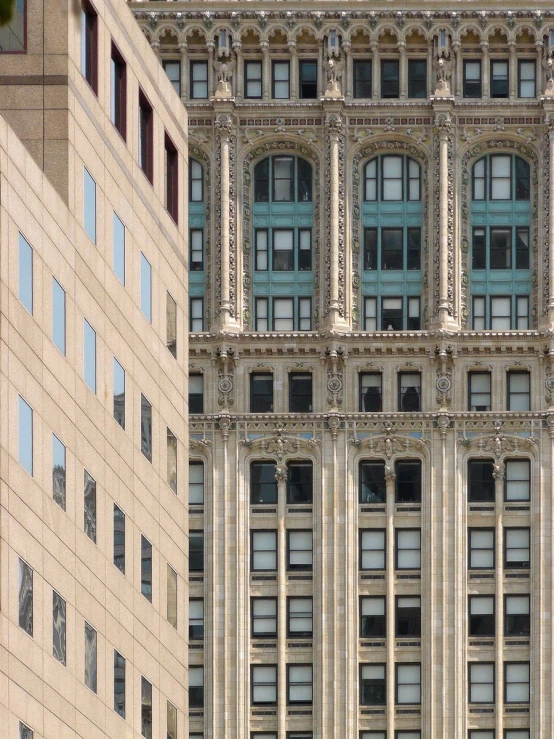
283	232
392	220
197	223
500	249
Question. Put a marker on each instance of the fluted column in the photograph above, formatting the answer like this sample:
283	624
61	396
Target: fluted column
281	476
485	70
443	124
266	82
293	70
512	45
403	72
457	76
498	475
539	45
389	561
375	86
183	48
551	220
348	81
321	77
239	72
211	47
430	75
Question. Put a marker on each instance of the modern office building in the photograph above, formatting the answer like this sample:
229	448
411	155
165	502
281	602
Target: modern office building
93	380
372	315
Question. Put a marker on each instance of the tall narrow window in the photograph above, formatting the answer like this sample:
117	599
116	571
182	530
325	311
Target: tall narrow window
408	616
172	460
196	619
173	70
58	627
89	205
300	482
409	389
118	96
479	391
472	79
196	241
146	568
172	721
526	78
119	684
373	685
280	80
517	548
252	80
371	392
196	483
196	182
58	315
118	393
25	732
90	506
517	480
196	551
196	317
372	549
172	596
299	550
91	657
146	427
119	538
299	617
89	45
171	179
26	274
408	684
516	682
390	78
263	484
307	84
407	486
58	472
196	686
146	287
417	78
25	597
408	549
261	393
263	685
171	325
196	393
373	621
89	346
373	486
300	684
480	481
481	615
481	549
146	136
25	436
499	87
519	391
119	248
300	392
362	78
263	551
517	618
198	80
146	709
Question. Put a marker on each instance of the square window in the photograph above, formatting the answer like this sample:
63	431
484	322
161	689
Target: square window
392	314
373	621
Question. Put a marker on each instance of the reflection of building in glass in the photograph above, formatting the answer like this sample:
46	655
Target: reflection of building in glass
12	35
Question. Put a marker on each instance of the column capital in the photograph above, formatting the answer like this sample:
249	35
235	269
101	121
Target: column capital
374	46
210	45
183	47
224	125
484	45
292	46
334	124
264	46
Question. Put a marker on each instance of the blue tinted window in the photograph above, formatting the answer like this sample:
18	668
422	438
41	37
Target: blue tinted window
25	436
25	274
146	287
58	315
89	368
119	248
89	201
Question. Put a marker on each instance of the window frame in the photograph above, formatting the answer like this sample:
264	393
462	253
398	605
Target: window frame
520	564
397	668
253	551
146	136
192	626
89	37
305	498
302	567
394	84
197	534
259	463
471	684
526	632
254	684
470	616
510	393
398	531
171	178
506	666
248	64
197	64
397	617
400	375
358	81
253	618
371	463
302	65
284	63
290	667
255	397
417	482
381	633
361	376
295	398
491	549
507	462
197	398
472	497
118	91
382	685
471	375
478	93
361	550
299	634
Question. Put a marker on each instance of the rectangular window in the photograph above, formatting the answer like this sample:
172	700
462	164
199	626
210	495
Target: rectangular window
196	686
480	481
472	79
299	550
89	364
119	248
390	78
501	177
370	248
171	179
392	318
58	628
417	78
89	45
519	391
479	179
407	485
196	551
408	684
119	538
264	685
171	594
199	80
173	70
501	313
146	568
196	483
409	392
391	248
252	80
371	392
283	314
196	619
304	314
171	325
499	78
516	682
25	608
478	734
119	684
526	78
479	252
172	721
280	80
25	732
146	287
408	549
118	393
373	685
196	239
392	178
196	182
262	262
264	617
370	314
373	620
300	392
522	248
413	260
373	487
304	194
307	79
283	250
479	391
263	484
171	466
517	552
59	472
517	618
261	393
500	248
91	657
481	615
89	205
300	482
89	497
263	551
146	137
479	317
362	78
26	274
58	315
25	436
408	616
304	249
517	734
146	708
372	549
299	617
481	549
118	96
283	184
196	393
146	427
299	684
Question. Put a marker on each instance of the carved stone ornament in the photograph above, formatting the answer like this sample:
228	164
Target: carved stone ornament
281	446
498	446
549	386
444	386
335	377
334	123
224	126
225	378
389	446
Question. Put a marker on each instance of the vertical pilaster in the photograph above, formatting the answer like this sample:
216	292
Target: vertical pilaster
430	75
512	45
211	47
498	475
266	76
458	90
239	72
321	77
550	120
183	48
348	84
403	70
293	70
281	477
390	478
485	70
539	46
375	70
